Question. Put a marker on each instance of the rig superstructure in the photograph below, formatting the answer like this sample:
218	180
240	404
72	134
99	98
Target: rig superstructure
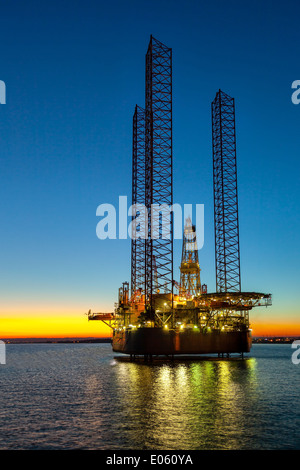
157	315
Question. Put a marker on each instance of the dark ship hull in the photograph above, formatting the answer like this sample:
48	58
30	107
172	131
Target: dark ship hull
159	341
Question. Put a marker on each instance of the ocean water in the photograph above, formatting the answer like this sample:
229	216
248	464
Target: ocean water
84	396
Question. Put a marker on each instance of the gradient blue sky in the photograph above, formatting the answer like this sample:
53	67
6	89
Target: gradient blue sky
74	71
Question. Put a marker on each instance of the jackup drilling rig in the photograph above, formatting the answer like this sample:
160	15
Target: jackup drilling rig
154	320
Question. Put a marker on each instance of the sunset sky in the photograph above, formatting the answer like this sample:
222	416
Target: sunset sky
74	71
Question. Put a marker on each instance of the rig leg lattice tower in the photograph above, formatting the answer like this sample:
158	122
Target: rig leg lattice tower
138	202
159	181
227	248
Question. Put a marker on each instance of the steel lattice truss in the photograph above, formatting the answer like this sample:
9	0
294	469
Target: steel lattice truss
138	201
228	278
159	184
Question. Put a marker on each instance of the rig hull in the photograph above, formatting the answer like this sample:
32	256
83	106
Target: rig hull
159	341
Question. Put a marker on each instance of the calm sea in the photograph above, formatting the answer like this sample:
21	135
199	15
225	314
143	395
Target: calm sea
81	396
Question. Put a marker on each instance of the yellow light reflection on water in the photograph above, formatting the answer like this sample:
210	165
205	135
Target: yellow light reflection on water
182	404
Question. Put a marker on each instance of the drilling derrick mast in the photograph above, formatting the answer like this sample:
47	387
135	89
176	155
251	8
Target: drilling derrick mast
190	285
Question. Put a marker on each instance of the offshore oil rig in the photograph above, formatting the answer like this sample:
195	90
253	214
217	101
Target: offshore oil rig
157	315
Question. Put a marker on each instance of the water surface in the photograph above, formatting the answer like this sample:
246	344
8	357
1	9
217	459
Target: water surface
81	396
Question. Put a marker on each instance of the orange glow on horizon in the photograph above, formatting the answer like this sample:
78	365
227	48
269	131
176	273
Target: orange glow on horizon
276	328
62	320
58	326
52	320
54	326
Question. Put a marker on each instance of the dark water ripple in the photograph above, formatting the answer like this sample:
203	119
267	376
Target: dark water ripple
79	396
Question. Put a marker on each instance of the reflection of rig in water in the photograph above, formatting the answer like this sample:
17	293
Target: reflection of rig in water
156	320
